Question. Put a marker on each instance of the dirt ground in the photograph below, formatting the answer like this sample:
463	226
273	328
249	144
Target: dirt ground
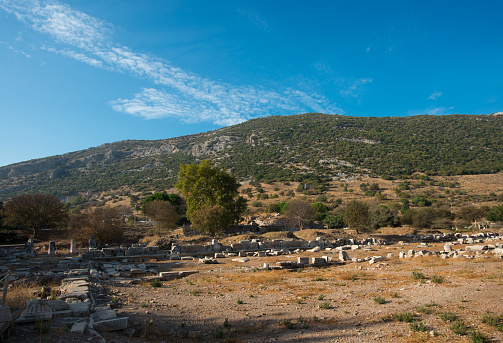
356	302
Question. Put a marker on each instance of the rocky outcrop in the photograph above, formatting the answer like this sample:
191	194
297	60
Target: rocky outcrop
213	145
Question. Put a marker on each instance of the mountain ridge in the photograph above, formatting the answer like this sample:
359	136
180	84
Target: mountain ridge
275	147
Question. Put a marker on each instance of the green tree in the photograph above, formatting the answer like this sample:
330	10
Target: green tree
381	216
471	213
356	215
205	186
35	212
495	214
211	219
334	221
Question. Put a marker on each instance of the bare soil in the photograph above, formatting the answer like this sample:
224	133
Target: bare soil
239	302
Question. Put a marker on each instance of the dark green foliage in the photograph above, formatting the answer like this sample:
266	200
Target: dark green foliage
286	148
379	300
459	327
321	210
381	216
448	316
417	275
495	214
493	320
418	327
334	221
407	317
212	191
356	215
429	218
156	283
477	337
421	201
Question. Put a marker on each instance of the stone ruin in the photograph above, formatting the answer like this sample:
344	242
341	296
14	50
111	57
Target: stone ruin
81	301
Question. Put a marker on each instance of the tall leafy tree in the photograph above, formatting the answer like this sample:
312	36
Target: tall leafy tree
34	212
356	215
495	214
206	185
211	219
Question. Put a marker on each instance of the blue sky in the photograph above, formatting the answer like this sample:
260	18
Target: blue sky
79	73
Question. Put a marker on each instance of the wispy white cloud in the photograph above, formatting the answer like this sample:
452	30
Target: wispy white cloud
435	111
15	50
254	18
355	87
179	94
435	95
351	87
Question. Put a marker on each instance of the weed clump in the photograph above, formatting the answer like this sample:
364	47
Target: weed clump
325	305
156	283
493	320
418	327
417	275
477	337
437	279
459	327
287	323
407	317
448	316
380	300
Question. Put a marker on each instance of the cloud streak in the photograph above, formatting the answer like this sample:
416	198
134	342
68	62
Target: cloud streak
435	95
179	93
434	111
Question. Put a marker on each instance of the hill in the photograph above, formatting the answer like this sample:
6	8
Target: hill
276	148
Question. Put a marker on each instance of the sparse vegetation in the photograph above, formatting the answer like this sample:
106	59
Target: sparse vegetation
156	283
448	316
404	317
379	300
477	337
418	327
459	327
325	305
437	279
417	275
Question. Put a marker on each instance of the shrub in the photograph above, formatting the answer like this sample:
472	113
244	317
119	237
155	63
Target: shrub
256	203
156	283
424	309
226	323
448	316
380	300
459	327
325	305
418	326
477	337
239	302
407	317
287	323
417	275
437	279
493	320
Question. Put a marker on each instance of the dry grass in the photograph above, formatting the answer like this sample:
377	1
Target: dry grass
18	296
